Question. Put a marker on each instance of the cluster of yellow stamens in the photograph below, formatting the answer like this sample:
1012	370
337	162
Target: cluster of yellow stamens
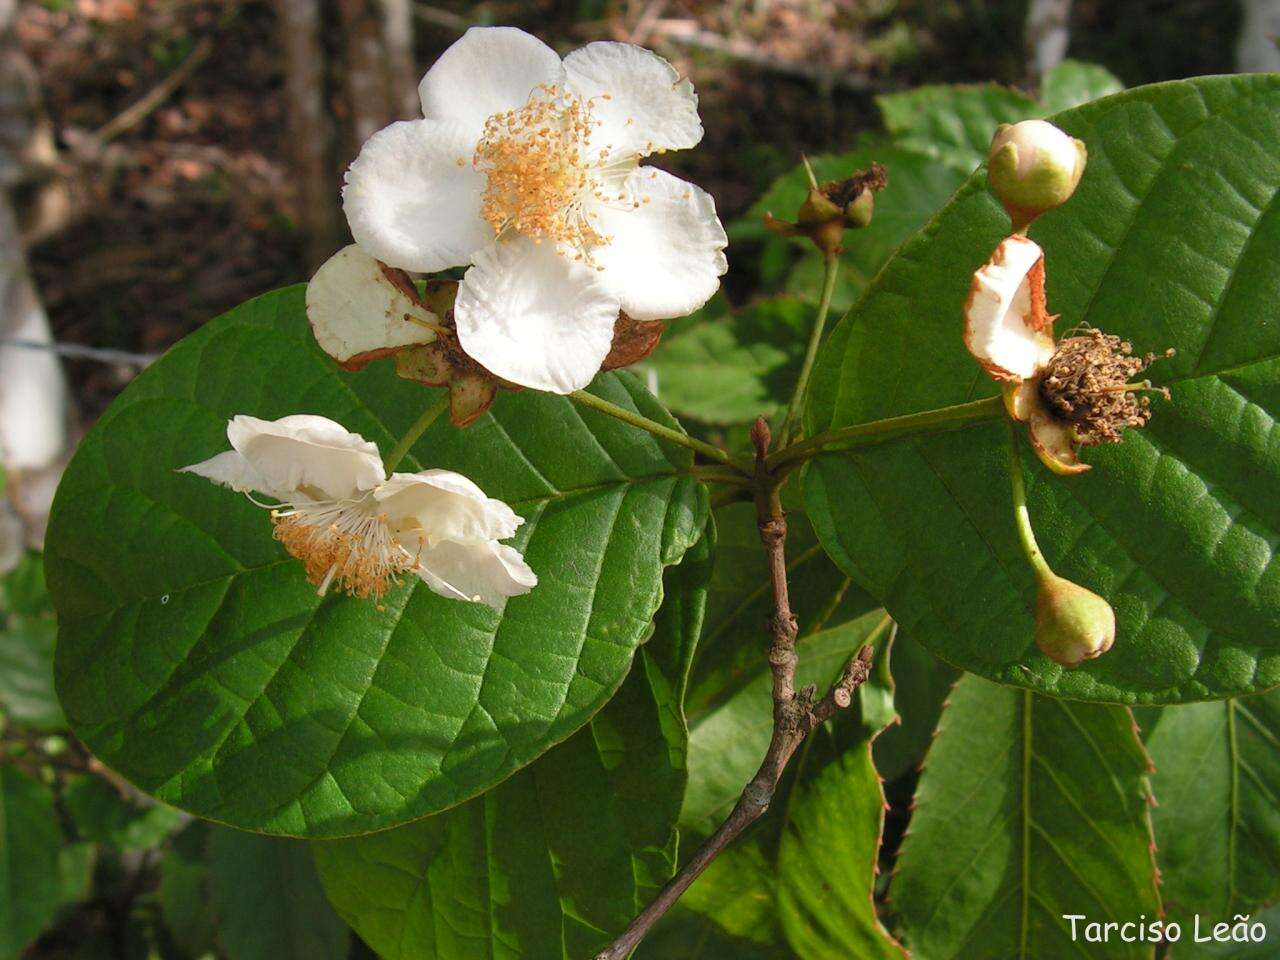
346	545
540	168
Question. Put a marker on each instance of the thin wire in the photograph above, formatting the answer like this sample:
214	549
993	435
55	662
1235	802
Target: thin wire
79	351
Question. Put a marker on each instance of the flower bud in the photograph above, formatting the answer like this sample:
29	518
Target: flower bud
1072	624
1033	167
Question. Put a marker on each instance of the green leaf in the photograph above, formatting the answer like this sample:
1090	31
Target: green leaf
1169	241
921	684
805	873
185	893
101	815
194	658
1217	823
1072	83
827	858
268	900
27	632
735	637
556	860
953	123
30	890
1028	809
732	369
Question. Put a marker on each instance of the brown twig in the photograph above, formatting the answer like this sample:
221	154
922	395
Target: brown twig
795	714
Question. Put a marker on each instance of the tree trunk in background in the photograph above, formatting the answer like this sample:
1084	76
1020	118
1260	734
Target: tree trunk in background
373	78
378	54
312	160
34	400
1047	34
1256	51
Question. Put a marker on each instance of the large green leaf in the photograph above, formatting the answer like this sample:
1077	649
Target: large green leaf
195	659
268	901
27	632
1171	240
1217	823
556	860
804	875
1029	809
30	891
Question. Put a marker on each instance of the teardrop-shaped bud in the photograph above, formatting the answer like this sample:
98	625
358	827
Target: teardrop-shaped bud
1072	624
1033	167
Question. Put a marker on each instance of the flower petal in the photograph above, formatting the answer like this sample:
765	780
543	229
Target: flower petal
479	572
664	258
412	198
358	315
1055	445
638	99
310	454
486	71
443	505
535	317
231	469
1006	326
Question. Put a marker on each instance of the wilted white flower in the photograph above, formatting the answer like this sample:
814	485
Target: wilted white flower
354	528
1073	393
526	167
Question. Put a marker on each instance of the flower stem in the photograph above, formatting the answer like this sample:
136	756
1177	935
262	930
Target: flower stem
652	426
1021	516
877	431
830	267
417	430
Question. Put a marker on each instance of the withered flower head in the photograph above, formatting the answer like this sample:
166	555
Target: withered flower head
1073	393
835	206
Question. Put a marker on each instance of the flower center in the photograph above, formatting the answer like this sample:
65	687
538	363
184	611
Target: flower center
540	170
345	543
1089	383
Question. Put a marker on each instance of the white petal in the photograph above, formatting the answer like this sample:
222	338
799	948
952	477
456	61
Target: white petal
357	314
312	454
231	469
443	505
412	198
1004	328
665	257
487	70
480	572
535	317
648	107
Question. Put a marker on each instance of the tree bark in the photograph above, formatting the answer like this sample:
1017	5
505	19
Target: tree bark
311	158
35	404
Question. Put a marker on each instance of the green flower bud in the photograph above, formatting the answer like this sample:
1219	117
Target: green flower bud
1033	167
1072	624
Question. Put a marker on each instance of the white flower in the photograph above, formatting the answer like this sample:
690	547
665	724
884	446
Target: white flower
527	168
353	527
